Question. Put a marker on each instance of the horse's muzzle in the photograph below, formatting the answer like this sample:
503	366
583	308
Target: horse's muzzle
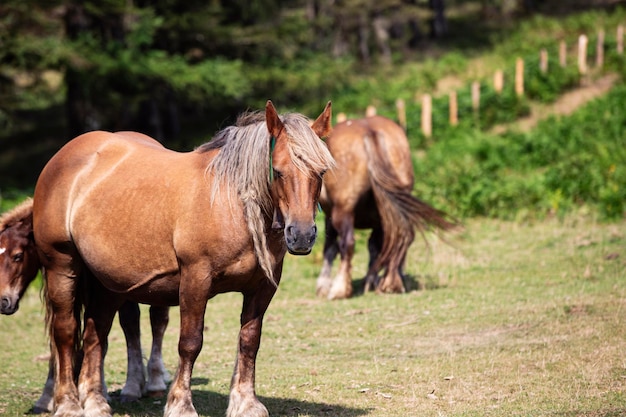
300	239
7	306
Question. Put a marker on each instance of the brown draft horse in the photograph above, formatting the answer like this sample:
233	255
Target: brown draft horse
370	188
19	265
126	219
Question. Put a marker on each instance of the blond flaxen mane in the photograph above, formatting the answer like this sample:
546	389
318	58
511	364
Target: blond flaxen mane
243	166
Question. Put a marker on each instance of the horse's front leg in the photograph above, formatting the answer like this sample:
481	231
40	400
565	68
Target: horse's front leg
193	298
158	377
129	316
343	221
61	294
374	246
331	248
45	403
243	401
99	315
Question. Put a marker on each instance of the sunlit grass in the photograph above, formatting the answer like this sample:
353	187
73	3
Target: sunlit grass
515	320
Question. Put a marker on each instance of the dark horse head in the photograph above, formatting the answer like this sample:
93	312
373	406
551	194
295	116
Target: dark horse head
19	263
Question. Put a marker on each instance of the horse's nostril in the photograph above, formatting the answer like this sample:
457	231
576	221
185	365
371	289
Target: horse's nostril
5	303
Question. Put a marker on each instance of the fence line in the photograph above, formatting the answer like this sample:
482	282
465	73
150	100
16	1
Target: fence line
498	81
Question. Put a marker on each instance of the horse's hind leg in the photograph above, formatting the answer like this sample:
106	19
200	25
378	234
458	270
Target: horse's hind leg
392	282
99	314
45	403
374	246
331	248
243	401
135	373
158	377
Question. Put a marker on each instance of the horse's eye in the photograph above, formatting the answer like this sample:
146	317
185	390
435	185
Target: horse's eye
322	174
277	174
18	257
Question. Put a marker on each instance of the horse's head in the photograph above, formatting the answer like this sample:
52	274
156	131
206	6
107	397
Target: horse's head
298	161
19	262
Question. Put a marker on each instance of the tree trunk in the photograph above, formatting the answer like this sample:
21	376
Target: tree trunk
439	24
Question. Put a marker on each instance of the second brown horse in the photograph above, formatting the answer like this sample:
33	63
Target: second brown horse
370	188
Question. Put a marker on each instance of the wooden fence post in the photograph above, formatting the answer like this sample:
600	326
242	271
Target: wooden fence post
498	81
427	113
620	39
401	108
600	49
519	77
370	111
582	54
476	96
454	109
562	54
543	60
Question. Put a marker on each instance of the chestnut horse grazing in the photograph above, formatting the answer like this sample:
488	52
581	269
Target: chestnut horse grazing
19	265
121	217
370	188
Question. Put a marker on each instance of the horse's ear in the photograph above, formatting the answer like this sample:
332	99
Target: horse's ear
25	225
274	124
322	126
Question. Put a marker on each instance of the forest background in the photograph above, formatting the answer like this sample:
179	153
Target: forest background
179	71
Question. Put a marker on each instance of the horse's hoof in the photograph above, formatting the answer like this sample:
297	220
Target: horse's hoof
156	394
390	289
97	406
181	410
39	410
246	408
338	293
68	408
337	296
125	398
322	292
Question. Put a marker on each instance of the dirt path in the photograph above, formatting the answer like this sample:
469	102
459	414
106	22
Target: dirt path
564	106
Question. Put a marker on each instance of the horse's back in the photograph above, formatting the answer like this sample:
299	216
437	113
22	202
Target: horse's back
363	147
349	180
392	150
81	161
111	197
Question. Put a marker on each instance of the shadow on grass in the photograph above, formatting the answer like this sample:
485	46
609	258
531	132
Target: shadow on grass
411	283
213	404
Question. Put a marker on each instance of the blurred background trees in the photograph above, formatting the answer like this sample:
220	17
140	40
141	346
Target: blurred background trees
179	70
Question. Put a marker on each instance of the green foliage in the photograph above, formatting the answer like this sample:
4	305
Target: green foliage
547	87
559	166
207	56
133	71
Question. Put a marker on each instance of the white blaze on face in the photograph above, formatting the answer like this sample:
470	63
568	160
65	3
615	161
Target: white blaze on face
2	250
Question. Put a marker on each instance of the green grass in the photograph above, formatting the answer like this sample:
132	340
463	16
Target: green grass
514	320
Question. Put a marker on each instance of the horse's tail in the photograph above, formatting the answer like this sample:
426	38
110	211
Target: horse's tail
401	213
79	303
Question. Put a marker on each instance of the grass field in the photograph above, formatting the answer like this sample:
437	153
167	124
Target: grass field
512	320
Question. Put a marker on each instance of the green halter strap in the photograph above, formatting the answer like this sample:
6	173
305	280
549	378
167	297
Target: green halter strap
272	146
